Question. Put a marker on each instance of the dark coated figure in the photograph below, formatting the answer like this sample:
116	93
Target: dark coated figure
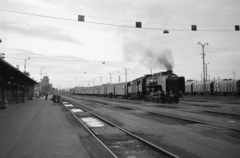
54	98
46	96
58	99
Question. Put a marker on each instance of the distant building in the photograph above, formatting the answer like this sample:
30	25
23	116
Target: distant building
45	86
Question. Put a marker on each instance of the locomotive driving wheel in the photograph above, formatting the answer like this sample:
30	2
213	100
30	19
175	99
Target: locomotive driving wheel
176	100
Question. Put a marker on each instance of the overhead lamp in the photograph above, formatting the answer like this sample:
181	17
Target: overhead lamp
165	31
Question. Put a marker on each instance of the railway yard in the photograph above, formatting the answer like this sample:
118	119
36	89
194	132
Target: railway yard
195	127
119	79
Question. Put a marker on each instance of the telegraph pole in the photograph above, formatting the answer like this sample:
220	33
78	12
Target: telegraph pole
126	72
119	79
234	72
206	71
100	79
203	56
110	77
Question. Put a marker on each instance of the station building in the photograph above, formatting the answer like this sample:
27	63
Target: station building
15	86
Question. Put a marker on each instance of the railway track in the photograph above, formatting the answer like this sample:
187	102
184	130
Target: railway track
118	141
205	127
208	109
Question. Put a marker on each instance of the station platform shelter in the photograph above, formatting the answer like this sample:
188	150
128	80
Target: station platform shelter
15	86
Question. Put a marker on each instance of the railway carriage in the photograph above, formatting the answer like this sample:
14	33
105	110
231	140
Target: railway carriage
89	91
121	89
227	86
110	90
96	90
198	87
102	90
189	87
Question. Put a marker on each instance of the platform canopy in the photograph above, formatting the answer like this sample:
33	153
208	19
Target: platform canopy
15	74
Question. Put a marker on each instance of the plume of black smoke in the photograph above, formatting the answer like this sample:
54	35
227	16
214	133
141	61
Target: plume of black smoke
151	58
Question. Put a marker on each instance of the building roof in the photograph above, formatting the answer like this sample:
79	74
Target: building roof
13	73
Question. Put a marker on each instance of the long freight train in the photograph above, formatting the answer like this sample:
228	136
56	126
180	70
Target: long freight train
159	87
217	87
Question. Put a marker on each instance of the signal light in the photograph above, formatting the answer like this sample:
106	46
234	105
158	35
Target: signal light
236	27
165	31
81	18
138	24
194	27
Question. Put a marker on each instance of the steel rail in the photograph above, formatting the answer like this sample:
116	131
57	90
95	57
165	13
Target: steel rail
129	133
194	121
91	132
191	120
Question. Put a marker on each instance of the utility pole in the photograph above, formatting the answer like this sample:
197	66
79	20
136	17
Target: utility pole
234	72
206	71
203	56
119	77
93	82
110	77
201	77
100	79
126	72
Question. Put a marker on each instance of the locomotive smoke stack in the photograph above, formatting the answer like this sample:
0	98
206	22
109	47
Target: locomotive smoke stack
169	71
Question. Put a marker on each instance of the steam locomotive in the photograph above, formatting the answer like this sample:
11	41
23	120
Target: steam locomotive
164	87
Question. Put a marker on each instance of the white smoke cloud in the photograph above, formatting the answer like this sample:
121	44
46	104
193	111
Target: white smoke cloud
152	58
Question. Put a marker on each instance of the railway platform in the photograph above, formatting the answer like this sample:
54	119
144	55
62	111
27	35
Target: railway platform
39	129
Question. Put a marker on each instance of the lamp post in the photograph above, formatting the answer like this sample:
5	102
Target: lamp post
41	73
110	77
234	72
203	56
206	71
40	88
25	64
88	83
126	72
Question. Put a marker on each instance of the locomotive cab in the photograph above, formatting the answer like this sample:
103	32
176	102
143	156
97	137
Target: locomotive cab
165	86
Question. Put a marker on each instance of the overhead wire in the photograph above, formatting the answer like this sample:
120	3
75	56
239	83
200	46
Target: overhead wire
101	23
71	60
147	22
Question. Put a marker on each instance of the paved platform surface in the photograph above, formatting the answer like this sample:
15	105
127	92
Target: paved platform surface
39	129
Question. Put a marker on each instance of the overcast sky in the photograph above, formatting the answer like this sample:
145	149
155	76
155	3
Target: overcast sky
73	52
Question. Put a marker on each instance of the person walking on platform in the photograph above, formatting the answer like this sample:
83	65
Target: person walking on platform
58	98
46	96
54	99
